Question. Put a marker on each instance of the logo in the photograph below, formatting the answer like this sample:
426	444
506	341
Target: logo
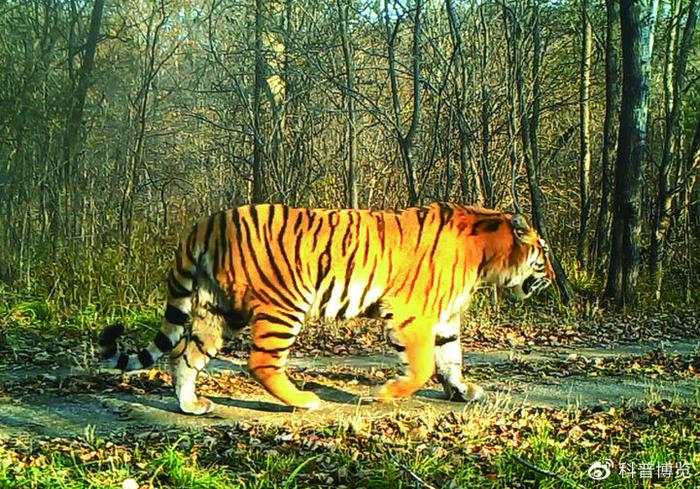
600	471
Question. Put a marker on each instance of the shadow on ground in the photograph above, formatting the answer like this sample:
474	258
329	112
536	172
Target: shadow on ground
345	393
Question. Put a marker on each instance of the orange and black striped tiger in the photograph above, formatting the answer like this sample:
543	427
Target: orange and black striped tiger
271	266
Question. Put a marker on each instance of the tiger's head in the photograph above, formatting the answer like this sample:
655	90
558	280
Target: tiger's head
520	264
530	268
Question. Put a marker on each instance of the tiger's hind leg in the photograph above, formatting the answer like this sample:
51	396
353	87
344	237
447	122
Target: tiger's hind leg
418	339
210	328
273	333
448	363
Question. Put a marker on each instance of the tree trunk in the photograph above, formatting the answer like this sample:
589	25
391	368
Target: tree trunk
585	137
528	133
467	164
485	166
259	79
75	119
405	140
612	96
351	196
674	74
637	18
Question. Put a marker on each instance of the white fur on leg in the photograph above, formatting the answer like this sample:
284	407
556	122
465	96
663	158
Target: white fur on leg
184	379
448	363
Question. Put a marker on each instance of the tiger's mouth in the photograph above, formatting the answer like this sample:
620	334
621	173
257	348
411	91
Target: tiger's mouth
531	285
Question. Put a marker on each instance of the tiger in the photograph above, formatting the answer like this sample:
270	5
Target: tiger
271	266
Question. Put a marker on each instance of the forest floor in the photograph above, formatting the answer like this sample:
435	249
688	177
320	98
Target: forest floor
559	400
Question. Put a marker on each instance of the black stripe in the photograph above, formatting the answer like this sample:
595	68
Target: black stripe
270	350
446	212
367	243
175	316
236	220
123	361
488	225
349	269
280	244
175	289
145	358
271	258
443	219
368	285
318	221
297	252
326	296
323	265
162	342
482	265
189	244
268	318
200	346
253	212
180	265
287	302
342	311
406	322
290	316
223	248
398	224
346	236
379	221
111	334
297	221
421	215
443	340
208	233
415	276
278	335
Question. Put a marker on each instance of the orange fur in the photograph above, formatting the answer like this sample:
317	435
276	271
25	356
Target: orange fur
272	266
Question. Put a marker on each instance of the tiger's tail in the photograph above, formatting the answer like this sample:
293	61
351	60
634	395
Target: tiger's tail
181	284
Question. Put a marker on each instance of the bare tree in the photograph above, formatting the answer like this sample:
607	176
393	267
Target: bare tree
637	21
258	86
405	139
674	82
612	96
75	118
351	185
529	125
584	135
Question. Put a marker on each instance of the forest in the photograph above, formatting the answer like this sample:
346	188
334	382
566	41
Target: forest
123	122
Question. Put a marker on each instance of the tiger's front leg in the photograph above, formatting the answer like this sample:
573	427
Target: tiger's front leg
273	333
448	363
416	336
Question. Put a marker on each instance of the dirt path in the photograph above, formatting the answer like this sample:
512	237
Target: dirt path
71	401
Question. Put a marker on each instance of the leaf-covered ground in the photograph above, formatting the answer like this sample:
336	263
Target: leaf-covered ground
68	424
523	447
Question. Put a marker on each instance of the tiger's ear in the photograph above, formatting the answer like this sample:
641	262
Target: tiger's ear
520	226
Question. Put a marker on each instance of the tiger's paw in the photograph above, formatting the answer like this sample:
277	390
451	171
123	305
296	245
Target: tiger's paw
306	400
466	392
392	390
199	406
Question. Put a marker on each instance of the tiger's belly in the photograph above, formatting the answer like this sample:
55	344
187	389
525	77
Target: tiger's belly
342	301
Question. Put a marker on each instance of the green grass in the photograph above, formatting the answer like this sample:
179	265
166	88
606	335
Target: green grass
482	448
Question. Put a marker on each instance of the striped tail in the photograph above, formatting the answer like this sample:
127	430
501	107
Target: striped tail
180	282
